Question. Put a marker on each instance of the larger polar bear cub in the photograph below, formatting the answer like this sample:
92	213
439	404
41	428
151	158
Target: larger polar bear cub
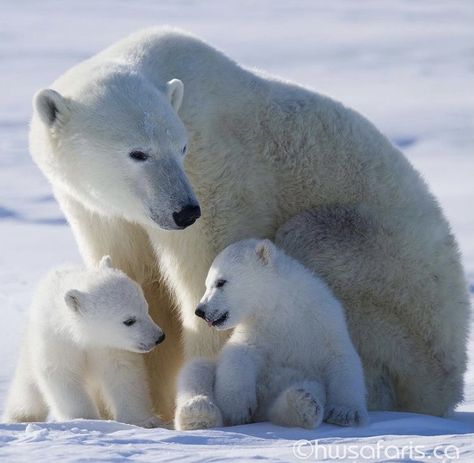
289	360
142	138
81	351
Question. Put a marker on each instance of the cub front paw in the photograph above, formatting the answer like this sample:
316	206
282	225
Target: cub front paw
198	413
308	411
149	422
237	408
346	415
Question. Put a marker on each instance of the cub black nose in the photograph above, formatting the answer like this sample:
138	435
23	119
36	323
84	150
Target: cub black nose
199	312
187	215
160	339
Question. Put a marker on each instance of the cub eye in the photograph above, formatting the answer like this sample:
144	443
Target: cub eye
220	283
138	156
129	322
184	149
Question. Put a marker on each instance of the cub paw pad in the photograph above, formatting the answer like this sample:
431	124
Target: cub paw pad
308	410
198	413
346	416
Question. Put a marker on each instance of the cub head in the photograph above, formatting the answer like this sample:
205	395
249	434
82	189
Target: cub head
239	281
111	311
115	142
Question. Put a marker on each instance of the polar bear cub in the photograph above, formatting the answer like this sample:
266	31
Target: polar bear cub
290	358
81	352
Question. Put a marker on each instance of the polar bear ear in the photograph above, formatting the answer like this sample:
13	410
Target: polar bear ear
175	92
105	262
74	300
51	107
265	251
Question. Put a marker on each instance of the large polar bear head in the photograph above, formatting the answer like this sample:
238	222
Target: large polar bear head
116	143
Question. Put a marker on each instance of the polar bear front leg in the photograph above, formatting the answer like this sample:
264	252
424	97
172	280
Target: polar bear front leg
346	393
236	382
25	401
67	396
122	377
301	404
195	407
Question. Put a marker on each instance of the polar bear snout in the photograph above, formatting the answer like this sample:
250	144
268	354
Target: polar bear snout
200	311
166	194
215	319
148	336
187	215
160	339
147	346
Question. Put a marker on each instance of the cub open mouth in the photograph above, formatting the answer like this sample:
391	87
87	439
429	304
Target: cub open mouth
219	321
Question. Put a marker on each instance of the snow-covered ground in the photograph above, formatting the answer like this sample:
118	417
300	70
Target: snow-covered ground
407	65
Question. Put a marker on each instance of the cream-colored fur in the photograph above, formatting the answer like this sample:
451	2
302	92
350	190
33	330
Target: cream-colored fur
260	152
81	356
279	312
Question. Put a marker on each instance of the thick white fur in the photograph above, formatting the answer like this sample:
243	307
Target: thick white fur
290	358
260	152
195	405
78	356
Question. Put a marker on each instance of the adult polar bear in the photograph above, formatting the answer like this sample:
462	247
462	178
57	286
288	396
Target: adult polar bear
266	159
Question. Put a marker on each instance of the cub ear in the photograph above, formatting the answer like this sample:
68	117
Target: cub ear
50	106
74	300
265	251
174	92
105	262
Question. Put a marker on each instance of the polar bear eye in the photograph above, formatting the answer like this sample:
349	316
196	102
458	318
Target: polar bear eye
138	156
220	283
185	147
130	321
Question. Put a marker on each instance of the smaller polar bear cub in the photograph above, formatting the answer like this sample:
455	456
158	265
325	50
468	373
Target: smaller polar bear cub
290	358
81	350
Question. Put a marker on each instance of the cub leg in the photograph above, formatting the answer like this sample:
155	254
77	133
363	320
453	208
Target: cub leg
346	402
301	404
124	385
67	396
25	401
236	382
195	406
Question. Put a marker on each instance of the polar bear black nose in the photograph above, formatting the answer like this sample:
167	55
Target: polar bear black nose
160	339
199	312
187	215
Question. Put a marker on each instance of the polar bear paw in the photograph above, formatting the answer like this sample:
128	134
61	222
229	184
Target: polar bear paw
150	422
198	413
239	408
308	412
346	415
